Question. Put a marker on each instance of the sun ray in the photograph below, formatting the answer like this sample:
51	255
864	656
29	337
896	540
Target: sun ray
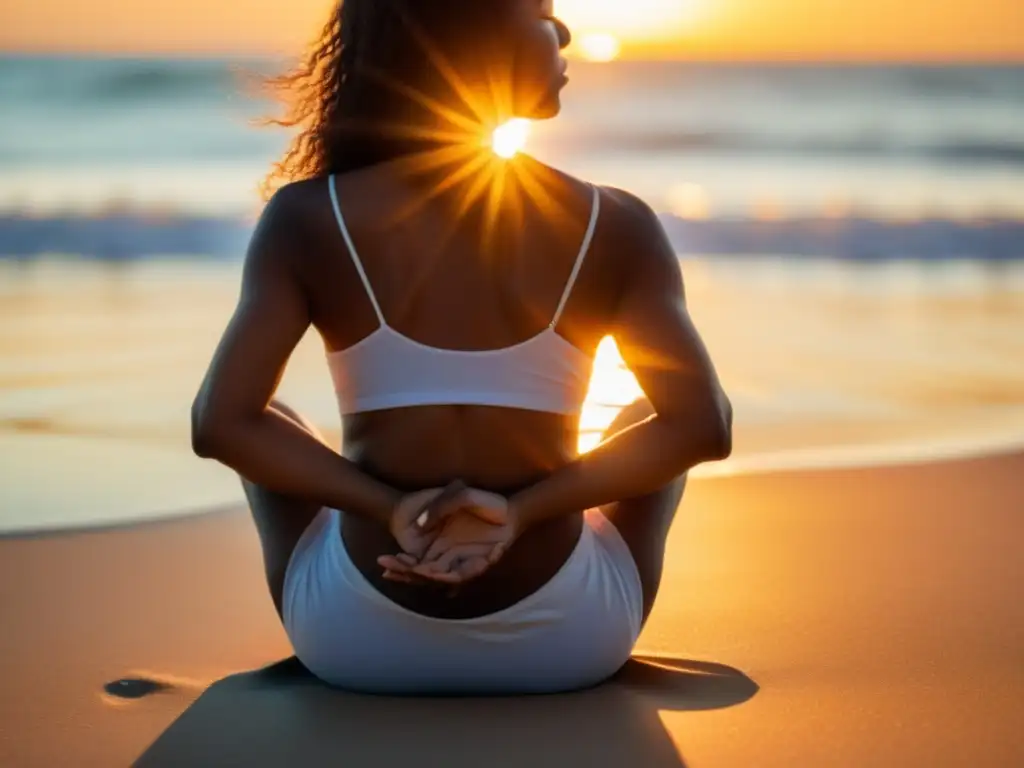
434	106
500	89
494	203
399	131
462	174
531	184
457	156
451	76
478	188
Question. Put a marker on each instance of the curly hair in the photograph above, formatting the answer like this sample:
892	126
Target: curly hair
367	85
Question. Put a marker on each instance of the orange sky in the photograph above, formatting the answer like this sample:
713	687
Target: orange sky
719	29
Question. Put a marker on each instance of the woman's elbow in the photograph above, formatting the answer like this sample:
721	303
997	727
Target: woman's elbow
207	431
720	441
705	434
720	429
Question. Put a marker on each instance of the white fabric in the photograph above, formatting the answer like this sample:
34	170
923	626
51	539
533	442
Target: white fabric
389	370
573	632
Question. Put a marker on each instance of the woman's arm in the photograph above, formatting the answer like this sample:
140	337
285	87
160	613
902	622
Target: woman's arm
657	339
230	419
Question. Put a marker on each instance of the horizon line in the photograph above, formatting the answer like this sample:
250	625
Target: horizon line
758	59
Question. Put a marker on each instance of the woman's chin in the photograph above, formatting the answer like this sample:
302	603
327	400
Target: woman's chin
538	104
544	111
550	112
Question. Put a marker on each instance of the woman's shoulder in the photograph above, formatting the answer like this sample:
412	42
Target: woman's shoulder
297	200
299	210
622	212
292	227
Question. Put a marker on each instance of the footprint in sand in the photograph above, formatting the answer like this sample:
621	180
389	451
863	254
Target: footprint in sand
134	687
140	685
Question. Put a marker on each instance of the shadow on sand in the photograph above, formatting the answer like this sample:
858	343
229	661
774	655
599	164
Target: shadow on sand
282	716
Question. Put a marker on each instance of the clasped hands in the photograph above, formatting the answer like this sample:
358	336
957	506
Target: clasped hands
448	535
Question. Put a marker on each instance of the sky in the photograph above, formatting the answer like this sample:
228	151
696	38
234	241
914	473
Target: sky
702	29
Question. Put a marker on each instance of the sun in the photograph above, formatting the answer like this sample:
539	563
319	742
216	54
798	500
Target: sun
510	138
599	46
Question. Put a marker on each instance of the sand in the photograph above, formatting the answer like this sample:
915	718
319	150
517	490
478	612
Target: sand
809	618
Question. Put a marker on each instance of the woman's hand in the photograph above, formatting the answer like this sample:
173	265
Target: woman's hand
415	524
468	531
466	547
411	523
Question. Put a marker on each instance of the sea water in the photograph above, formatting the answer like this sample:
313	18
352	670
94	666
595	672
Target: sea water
852	240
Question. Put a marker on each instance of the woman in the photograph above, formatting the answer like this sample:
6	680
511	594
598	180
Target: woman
458	543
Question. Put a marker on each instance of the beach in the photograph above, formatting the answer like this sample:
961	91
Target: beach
875	612
842	591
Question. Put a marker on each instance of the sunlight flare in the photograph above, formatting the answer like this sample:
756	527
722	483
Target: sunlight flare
612	387
509	138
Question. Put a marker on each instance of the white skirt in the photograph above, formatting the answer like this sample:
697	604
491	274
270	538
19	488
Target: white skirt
573	632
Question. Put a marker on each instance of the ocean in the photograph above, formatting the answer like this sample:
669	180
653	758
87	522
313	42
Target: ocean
852	239
703	141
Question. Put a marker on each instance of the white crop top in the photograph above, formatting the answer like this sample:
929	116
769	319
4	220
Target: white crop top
389	370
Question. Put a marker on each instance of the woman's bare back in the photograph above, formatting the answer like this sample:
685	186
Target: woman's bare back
444	282
478	281
460	278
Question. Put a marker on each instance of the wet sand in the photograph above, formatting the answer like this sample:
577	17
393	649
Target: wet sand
829	617
99	364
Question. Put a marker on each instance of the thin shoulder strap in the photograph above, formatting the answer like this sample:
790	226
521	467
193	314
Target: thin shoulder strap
595	210
352	250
